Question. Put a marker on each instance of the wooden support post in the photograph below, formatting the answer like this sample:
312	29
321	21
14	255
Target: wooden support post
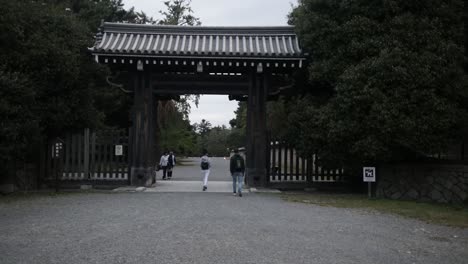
280	151
92	161
86	154
285	162
256	129
274	164
143	119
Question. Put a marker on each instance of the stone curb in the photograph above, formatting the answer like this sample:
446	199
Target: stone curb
264	190
130	189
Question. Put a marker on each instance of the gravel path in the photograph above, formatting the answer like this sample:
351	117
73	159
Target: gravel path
190	170
213	228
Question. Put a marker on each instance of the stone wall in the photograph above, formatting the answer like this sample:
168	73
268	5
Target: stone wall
424	182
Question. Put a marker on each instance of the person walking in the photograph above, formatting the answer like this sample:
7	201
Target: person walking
205	164
163	163
237	168
171	161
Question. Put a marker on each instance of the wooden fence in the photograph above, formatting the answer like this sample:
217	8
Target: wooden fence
285	165
92	156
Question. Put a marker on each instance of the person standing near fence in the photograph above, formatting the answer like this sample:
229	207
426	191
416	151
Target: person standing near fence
237	168
163	163
171	161
205	164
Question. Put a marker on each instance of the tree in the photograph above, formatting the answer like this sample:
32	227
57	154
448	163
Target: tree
18	122
216	141
49	84
237	137
393	75
179	13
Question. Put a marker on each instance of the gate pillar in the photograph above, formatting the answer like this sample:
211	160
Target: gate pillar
142	131
256	130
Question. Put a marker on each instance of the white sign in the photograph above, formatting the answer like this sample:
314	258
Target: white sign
57	149
368	174
118	150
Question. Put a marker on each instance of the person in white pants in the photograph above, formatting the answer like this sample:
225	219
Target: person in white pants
205	164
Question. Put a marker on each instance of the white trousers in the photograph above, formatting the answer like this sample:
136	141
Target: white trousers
205	174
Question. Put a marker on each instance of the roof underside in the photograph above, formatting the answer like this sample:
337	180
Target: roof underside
271	43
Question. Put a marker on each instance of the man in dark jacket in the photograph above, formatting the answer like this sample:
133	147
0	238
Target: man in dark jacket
171	161
237	168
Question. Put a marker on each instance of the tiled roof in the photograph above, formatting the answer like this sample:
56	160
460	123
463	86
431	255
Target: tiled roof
185	41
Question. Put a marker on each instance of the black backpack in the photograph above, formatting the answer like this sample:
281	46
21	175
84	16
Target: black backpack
205	165
238	163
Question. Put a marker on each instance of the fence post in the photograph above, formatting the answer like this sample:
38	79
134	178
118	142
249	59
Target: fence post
268	158
309	169
86	153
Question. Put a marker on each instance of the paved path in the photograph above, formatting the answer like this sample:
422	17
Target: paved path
188	169
214	228
191	186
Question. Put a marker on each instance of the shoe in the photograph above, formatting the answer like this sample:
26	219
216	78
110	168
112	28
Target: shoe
164	179
234	194
204	188
240	194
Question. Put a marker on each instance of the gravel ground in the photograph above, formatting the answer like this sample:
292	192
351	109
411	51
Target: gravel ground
213	228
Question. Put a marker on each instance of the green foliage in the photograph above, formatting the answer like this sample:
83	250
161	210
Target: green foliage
277	119
394	76
175	133
217	141
47	45
202	130
237	138
49	84
17	120
179	13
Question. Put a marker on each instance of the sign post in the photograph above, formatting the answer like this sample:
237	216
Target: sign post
368	175
58	147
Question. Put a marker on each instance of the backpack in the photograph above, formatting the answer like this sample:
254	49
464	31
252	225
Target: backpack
238	163
205	165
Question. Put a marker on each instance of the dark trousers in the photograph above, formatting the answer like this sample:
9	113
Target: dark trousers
169	171
164	168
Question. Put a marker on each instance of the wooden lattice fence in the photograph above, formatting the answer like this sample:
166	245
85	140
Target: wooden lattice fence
285	165
92	156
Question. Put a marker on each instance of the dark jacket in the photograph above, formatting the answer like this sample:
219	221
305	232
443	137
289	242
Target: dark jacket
171	160
233	166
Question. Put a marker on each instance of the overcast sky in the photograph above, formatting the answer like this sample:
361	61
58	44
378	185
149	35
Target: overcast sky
217	108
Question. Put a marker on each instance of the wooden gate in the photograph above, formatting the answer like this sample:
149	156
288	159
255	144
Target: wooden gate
285	165
91	156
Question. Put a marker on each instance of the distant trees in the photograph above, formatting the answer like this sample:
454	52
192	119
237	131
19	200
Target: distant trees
237	137
217	140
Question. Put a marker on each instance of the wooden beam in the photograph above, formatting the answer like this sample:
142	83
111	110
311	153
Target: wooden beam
199	88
